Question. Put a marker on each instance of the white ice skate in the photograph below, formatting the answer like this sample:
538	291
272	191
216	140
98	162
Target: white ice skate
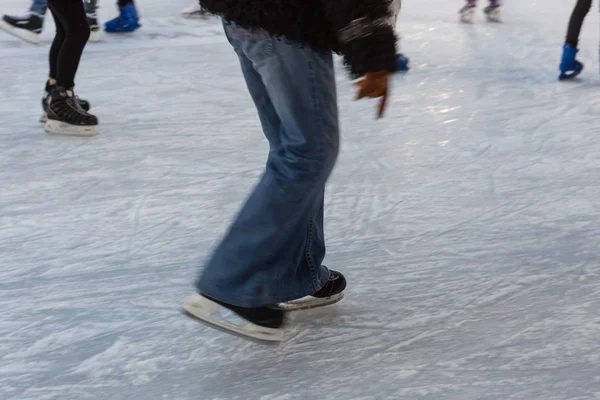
493	13
467	14
194	12
27	27
220	317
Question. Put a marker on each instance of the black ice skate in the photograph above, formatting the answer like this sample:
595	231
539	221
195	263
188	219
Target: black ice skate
27	27
262	324
83	103
66	117
330	293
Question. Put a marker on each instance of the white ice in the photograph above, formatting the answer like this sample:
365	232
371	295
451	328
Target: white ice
467	221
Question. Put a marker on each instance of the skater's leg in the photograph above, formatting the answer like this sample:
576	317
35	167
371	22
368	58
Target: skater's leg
59	38
64	113
575	23
569	66
273	251
70	14
39	7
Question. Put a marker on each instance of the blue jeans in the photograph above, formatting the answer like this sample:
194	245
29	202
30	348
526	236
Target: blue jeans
39	6
273	250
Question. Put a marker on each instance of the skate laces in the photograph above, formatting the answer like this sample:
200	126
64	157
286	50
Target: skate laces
67	107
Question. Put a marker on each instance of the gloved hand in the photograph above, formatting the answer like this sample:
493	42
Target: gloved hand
375	85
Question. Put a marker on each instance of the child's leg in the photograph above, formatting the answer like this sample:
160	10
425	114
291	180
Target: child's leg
579	13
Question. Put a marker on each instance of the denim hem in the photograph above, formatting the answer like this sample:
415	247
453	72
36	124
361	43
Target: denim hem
260	301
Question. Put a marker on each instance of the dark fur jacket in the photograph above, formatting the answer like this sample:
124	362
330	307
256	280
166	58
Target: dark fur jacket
360	30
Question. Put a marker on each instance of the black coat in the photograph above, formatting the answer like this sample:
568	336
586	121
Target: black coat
359	30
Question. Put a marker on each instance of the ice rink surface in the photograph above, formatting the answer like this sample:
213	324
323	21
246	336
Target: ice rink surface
467	221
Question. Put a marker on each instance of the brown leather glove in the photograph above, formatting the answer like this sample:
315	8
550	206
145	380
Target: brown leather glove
374	85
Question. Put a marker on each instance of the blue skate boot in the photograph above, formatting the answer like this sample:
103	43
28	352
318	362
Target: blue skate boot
402	63
569	66
127	21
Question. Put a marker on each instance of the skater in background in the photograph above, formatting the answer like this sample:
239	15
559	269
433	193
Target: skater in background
271	257
569	66
65	113
492	11
402	61
29	26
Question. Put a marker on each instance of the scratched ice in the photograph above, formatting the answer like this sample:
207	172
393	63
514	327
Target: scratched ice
467	221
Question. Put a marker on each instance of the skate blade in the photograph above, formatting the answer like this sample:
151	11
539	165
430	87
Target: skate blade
60	128
23	34
568	76
195	15
200	309
44	118
309	302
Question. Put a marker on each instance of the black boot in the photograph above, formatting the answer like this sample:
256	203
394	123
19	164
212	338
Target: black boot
83	103
66	116
330	293
27	27
334	286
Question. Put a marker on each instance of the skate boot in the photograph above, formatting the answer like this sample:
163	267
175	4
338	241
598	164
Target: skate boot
82	103
402	63
262	324
569	66
492	12
467	13
66	117
194	12
27	27
95	31
127	21
330	293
